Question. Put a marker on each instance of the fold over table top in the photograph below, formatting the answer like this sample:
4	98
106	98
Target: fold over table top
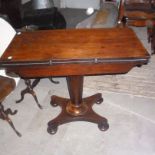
74	46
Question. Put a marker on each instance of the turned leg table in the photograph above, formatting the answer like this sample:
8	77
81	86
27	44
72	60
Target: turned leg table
74	54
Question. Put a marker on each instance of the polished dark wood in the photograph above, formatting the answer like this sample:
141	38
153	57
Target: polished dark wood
74	54
76	108
151	38
139	13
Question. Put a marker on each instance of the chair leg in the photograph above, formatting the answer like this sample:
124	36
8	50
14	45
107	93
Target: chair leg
149	34
151	38
4	116
124	21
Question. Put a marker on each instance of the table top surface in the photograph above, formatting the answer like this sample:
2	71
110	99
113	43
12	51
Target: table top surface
110	43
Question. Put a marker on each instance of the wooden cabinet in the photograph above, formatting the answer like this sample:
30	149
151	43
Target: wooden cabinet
143	5
139	13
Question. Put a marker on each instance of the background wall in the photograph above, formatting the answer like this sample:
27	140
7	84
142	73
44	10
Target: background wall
56	2
80	3
74	3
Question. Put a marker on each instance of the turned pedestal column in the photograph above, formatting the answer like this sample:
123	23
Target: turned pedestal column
76	108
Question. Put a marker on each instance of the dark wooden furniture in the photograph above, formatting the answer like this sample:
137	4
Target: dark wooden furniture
30	89
12	8
20	15
138	13
152	37
7	85
74	54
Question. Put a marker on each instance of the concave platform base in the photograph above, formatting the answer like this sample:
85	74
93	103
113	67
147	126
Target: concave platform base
83	112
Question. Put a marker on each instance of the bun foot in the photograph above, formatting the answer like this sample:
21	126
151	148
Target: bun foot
103	126
52	129
53	104
99	101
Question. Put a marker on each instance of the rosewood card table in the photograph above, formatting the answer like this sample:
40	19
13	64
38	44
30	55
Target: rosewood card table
74	53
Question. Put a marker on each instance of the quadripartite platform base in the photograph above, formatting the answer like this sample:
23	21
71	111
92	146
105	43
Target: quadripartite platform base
83	112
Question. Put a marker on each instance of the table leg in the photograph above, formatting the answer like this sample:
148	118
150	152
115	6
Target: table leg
29	89
76	108
4	115
151	37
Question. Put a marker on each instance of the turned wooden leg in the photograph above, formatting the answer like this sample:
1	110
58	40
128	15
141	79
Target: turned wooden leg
124	21
29	89
151	38
76	108
4	115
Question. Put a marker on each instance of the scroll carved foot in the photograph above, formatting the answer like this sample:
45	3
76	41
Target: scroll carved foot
9	111
4	115
55	82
